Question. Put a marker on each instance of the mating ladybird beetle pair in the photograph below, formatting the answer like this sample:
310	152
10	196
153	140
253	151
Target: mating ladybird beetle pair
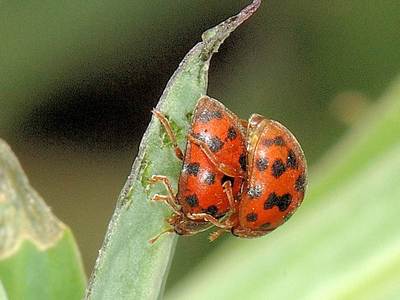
247	177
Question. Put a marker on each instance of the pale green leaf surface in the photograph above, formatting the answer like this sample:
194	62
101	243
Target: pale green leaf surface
342	245
55	273
128	267
39	258
3	294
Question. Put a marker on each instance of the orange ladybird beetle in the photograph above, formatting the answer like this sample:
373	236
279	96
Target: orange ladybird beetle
267	188
276	179
213	169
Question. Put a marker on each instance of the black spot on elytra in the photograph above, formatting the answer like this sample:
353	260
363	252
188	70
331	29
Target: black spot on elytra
192	200
215	144
227	178
300	183
242	161
262	164
255	191
278	168
251	217
291	161
282	202
206	116
278	141
212	210
209	178
232	133
192	168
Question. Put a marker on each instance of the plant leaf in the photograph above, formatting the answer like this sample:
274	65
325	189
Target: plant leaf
3	295
38	255
128	267
343	245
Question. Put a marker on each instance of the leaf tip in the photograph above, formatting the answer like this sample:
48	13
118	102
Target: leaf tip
215	36
23	213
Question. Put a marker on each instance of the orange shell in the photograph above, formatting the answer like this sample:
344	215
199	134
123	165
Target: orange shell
276	178
200	184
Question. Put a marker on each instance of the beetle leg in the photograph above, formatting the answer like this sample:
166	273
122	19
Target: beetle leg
168	129
227	170
209	218
155	238
227	185
170	199
216	234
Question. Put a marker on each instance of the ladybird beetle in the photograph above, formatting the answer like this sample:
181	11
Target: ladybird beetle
275	183
214	165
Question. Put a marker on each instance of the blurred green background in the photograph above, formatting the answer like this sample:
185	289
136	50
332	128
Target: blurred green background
78	80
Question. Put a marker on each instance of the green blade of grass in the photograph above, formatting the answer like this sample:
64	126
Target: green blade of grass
343	245
128	267
369	139
38	255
